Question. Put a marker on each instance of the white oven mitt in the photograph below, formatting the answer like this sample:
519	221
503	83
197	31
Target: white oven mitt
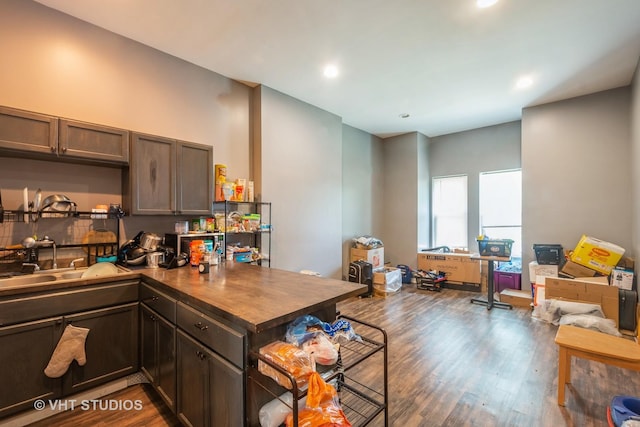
70	347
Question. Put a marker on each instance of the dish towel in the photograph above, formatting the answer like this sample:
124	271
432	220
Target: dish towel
70	347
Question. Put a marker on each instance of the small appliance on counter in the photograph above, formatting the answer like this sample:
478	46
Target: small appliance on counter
171	260
131	252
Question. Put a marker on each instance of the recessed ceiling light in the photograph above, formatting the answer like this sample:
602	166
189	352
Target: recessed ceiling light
485	3
404	115
330	71
524	82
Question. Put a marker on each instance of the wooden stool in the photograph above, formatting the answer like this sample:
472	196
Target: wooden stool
592	345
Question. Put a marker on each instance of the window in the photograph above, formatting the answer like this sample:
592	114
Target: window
449	207
501	207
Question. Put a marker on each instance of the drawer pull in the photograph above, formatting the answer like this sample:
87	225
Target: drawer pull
201	355
154	298
201	326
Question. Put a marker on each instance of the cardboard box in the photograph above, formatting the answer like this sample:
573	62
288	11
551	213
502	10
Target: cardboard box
387	281
536	269
573	269
584	291
626	263
516	297
373	256
597	254
457	267
622	279
388	275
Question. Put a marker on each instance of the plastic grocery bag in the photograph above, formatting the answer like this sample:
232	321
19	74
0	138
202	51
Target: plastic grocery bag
293	359
323	408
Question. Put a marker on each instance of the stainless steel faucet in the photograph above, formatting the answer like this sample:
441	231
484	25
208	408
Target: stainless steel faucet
48	241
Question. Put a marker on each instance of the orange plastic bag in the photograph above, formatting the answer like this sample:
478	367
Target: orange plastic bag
322	409
293	359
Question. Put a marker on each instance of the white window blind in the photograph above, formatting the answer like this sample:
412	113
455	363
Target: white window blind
449	211
501	207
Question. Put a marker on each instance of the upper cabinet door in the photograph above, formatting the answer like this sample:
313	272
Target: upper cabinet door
195	178
26	131
152	186
95	142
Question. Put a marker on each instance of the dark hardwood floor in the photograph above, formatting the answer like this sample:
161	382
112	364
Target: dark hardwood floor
451	363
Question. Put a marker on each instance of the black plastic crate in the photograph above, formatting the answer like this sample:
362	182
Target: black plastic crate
549	254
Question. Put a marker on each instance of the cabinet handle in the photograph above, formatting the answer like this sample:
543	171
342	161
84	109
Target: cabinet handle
53	149
201	326
154	298
64	149
201	355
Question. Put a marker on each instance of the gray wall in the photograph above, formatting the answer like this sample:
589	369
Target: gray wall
635	162
58	65
362	188
576	164
400	231
471	152
301	174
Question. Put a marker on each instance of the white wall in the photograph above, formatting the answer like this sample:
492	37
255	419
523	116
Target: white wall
301	174
362	183
472	152
576	172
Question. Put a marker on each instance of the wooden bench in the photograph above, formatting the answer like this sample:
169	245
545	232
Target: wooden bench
592	345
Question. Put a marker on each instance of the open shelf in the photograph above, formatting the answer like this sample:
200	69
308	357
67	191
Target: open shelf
361	402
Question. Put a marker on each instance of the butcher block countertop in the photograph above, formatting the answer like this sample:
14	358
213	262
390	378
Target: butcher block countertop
250	296
254	298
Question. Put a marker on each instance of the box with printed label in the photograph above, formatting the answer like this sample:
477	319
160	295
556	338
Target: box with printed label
597	254
375	257
622	279
457	267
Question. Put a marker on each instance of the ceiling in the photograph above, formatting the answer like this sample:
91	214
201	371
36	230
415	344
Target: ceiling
446	63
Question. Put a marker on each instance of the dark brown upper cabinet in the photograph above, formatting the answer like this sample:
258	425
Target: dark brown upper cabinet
51	138
168	177
90	141
28	132
194	178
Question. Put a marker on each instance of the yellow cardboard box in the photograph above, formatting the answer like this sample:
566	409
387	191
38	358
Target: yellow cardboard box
597	254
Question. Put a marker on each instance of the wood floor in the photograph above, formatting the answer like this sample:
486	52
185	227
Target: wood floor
451	363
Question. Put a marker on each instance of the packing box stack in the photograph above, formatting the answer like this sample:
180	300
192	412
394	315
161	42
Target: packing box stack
457	267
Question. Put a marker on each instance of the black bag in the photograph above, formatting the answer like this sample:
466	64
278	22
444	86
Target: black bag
362	272
628	301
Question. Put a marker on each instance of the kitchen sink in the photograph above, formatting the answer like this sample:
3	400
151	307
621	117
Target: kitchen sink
27	280
44	276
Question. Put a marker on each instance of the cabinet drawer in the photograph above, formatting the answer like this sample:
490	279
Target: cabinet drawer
162	303
214	334
27	308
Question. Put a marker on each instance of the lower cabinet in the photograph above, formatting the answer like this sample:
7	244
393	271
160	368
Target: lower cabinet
210	389
25	350
158	353
111	349
111	346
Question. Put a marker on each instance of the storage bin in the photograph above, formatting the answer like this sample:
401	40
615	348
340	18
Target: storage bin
506	280
548	254
242	256
495	247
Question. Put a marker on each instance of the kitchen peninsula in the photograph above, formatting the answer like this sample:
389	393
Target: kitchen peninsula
191	334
